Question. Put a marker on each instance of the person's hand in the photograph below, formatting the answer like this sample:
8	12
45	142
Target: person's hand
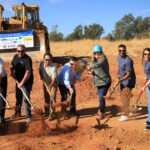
20	85
143	88
117	83
71	90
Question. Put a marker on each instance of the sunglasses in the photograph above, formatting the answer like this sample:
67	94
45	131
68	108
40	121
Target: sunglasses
47	59
20	51
121	50
146	54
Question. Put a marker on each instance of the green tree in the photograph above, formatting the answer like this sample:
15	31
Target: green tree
142	27
56	36
125	28
93	31
110	37
77	33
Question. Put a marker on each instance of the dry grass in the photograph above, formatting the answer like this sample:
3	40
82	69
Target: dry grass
84	47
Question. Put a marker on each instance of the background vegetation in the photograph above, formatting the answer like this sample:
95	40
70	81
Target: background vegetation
127	28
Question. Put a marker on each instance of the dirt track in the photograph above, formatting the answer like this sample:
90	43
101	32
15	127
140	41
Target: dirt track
111	134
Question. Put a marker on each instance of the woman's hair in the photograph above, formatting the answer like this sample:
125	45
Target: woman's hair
145	49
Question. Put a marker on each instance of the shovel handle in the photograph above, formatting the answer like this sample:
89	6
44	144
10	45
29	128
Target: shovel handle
5	100
139	96
25	96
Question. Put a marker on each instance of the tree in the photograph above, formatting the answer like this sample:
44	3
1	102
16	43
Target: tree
125	28
110	37
77	33
93	31
129	27
56	36
142	27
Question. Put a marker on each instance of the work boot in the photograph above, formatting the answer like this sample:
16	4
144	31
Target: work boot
52	116
16	115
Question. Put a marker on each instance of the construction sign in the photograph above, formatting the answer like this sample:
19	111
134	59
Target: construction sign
10	40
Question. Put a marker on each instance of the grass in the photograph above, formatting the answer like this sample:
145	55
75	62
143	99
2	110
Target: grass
84	47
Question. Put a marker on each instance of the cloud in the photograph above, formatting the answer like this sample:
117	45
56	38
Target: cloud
146	10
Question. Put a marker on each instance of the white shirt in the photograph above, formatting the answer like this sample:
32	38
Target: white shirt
2	69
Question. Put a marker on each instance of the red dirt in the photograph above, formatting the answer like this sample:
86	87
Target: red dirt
37	128
112	134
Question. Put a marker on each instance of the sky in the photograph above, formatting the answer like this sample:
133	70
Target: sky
67	14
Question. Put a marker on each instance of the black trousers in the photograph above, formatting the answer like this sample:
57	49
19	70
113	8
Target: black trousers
3	91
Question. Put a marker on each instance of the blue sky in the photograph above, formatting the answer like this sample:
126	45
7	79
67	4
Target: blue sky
67	14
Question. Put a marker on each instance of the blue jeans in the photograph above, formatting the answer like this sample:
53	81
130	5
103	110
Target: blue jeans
3	86
148	92
20	97
64	92
102	91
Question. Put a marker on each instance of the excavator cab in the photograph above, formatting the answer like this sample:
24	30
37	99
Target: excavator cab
26	27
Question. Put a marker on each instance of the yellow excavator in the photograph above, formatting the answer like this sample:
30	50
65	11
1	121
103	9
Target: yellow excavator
25	28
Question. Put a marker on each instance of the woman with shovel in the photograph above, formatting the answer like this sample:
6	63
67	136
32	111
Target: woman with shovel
146	64
102	78
3	91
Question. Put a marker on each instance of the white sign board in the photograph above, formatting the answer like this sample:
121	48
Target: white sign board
13	39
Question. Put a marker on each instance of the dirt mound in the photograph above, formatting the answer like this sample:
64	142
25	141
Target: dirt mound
37	128
38	111
21	146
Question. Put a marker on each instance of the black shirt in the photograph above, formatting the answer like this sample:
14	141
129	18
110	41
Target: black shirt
20	66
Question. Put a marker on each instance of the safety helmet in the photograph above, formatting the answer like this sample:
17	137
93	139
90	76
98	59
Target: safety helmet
97	48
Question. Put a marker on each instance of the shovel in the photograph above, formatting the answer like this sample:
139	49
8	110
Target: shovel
112	90
4	99
32	107
135	106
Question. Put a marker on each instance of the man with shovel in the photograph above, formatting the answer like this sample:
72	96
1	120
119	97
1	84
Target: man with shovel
70	73
127	79
3	91
48	74
22	72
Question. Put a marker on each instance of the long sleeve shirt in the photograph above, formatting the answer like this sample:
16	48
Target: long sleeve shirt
2	69
67	76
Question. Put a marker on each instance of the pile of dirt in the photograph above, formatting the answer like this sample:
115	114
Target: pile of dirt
37	128
38	112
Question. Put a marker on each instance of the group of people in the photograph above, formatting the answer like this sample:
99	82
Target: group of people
22	72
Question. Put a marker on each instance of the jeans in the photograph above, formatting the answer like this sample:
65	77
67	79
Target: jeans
102	91
3	86
64	92
20	97
148	92
49	98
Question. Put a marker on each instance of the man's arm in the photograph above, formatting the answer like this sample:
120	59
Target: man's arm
25	78
126	76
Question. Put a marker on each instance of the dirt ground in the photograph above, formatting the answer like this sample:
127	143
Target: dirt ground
42	134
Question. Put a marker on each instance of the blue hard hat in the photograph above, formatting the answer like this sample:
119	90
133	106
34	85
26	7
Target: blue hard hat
97	48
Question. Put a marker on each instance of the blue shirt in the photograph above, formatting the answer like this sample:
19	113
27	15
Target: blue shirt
126	65
147	70
67	76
